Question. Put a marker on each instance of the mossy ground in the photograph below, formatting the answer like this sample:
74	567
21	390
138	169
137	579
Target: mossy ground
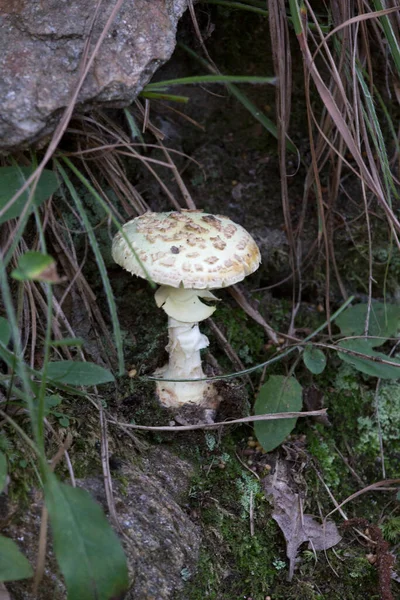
233	563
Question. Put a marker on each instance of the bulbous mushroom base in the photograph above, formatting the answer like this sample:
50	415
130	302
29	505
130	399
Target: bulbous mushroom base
174	394
185	343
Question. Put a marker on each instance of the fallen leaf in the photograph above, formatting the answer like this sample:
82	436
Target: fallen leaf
296	526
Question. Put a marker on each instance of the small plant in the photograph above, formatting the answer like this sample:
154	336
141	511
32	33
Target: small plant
88	551
248	487
356	348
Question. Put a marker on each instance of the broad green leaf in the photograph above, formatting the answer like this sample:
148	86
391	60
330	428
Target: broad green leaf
78	373
3	471
13	564
52	401
278	394
314	359
5	331
375	369
12	179
384	321
36	266
88	551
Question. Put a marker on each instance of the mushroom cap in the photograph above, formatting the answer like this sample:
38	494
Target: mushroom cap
191	248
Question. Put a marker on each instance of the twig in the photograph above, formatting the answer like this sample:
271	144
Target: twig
374	487
229	351
251	514
105	463
41	555
352	471
247	467
238	295
177	429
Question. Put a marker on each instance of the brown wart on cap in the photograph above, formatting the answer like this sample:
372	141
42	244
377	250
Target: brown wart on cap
188	253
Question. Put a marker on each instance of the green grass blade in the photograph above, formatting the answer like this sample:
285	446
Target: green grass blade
135	131
261	117
390	36
100	264
154	95
295	12
239	5
200	79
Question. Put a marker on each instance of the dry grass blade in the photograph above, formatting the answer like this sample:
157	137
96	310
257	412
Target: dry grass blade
283	70
368	173
229	351
240	298
272	417
379	486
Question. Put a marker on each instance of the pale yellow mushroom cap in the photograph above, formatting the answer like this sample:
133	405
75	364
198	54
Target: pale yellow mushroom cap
191	249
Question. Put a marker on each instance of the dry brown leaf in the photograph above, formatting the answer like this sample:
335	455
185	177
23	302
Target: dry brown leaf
296	526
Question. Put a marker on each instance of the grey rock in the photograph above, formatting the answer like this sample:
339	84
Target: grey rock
160	541
41	47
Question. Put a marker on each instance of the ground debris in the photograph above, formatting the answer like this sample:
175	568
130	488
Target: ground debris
296	526
384	559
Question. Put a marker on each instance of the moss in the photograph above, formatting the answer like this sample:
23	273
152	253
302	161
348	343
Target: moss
244	335
233	557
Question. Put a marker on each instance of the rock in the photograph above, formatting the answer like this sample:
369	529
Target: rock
41	47
160	541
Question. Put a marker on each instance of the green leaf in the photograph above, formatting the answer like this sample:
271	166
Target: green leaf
78	373
383	321
36	266
51	401
88	551
13	564
3	471
314	359
5	331
278	394
375	369
12	179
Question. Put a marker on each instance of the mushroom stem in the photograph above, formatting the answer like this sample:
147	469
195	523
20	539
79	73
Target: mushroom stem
185	343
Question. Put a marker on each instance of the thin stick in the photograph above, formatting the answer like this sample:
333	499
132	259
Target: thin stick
251	514
274	417
374	487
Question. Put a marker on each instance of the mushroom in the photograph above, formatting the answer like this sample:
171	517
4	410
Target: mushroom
188	253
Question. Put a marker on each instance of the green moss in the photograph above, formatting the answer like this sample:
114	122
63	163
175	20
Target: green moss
245	336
